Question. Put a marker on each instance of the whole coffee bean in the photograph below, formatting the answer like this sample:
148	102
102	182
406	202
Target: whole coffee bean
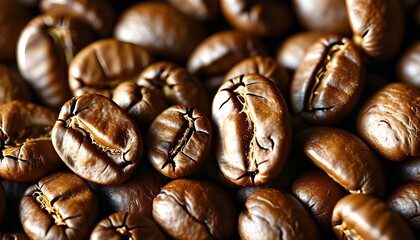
13	18
3	203
252	130
104	64
319	194
345	158
203	10
59	206
409	170
176	84
378	27
26	150
275	214
405	200
408	67
97	140
268	18
328	82
192	209
292	50
126	225
99	14
134	195
160	28
219	52
141	103
179	141
361	216
12	86
265	66
389	120
45	48
329	16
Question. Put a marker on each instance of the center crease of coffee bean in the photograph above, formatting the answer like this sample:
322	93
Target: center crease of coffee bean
318	82
185	136
62	39
350	233
47	206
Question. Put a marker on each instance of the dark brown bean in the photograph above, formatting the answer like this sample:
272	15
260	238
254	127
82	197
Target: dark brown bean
192	209
361	216
275	214
329	16
176	84
319	194
252	130
378	27
126	225
179	141
203	10
26	150
405	200
105	63
345	158
12	86
389	120
409	170
97	140
45	48
13	236
268	18
99	14
141	103
59	206
329	81
160	28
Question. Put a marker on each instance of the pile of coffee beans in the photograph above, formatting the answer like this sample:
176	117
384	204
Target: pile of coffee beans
210	119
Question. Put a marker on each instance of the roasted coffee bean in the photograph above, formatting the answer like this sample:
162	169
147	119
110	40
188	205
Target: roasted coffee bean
126	225
203	10
408	68
378	27
99	14
345	158
12	86
252	130
160	28
275	214
389	120
46	46
26	150
134	195
329	16
268	18
218	53
176	84
59	206
265	66
141	103
319	194
3	203
328	82
97	140
405	200
292	50
361	216
192	209
104	64
179	141
13	18
409	170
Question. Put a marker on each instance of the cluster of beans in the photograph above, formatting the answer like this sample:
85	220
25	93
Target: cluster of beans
210	119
